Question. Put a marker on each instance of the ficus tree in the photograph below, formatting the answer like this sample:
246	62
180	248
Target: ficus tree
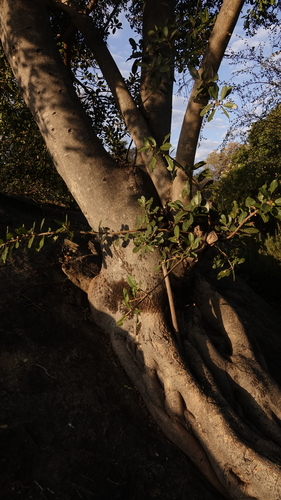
183	345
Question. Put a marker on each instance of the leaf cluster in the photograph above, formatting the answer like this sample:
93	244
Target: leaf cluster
27	239
252	164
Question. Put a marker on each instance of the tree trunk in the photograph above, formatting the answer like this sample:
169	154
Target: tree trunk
156	96
212	397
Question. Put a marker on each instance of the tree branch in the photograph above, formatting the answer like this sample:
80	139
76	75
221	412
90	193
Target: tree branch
220	36
79	157
157	102
133	118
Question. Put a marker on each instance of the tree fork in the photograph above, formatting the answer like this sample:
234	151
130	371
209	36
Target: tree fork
199	398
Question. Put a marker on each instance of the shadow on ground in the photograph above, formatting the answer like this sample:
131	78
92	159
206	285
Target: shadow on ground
71	424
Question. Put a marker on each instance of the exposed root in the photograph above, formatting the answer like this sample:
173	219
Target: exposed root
217	404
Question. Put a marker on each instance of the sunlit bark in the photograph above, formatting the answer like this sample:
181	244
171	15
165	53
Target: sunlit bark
192	122
212	396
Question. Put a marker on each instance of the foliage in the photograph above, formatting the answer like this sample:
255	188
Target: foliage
200	224
261	268
189	34
218	161
25	166
254	163
273	245
22	147
26	239
189	225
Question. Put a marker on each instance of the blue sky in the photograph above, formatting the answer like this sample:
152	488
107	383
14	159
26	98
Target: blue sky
214	132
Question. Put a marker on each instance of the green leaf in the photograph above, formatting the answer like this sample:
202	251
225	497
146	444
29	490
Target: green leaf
241	217
225	91
126	298
273	186
136	249
4	254
121	321
41	244
211	115
167	137
144	148
196	200
170	162
264	191
199	164
277	201
250	230
225	112
234	209
250	202
223	274
205	174
186	190
223	219
153	163
21	230
177	231
193	71
213	91
191	238
230	105
150	248
264	217
178	216
132	282
187	223
30	241
9	236
166	146
206	109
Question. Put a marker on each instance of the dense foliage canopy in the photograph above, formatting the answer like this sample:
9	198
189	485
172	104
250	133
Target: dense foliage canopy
253	164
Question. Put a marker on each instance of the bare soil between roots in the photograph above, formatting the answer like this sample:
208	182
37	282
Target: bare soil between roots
71	424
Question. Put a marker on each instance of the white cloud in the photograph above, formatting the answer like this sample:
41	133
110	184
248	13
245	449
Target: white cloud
205	148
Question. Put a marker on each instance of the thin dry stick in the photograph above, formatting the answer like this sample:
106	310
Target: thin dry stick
171	304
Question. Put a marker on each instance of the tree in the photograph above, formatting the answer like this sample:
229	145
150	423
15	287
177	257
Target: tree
258	160
25	165
200	376
219	161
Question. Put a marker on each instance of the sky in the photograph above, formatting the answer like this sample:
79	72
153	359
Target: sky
214	132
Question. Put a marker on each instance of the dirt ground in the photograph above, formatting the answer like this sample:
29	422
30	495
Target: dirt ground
71	424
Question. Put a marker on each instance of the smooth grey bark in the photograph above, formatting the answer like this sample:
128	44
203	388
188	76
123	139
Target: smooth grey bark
213	399
157	103
88	170
192	122
137	126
